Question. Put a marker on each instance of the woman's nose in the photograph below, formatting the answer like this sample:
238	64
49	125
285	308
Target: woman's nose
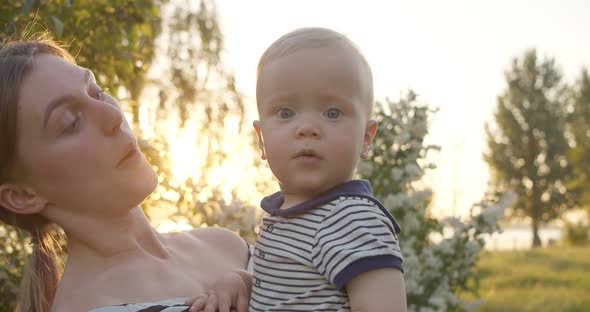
111	117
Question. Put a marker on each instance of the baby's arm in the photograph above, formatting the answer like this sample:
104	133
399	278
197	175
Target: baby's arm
377	290
232	290
356	248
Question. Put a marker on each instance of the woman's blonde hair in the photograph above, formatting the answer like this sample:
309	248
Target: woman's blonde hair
42	272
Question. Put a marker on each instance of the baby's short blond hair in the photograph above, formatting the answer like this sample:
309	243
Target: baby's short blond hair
313	37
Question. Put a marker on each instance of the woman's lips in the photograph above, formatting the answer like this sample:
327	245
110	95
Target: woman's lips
131	153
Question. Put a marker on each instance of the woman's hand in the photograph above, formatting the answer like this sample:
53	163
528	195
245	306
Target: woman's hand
230	291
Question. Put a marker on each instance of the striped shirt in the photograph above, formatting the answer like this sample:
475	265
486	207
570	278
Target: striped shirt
172	305
305	255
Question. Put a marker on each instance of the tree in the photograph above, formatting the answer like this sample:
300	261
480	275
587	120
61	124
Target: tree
12	259
194	88
115	39
579	127
527	153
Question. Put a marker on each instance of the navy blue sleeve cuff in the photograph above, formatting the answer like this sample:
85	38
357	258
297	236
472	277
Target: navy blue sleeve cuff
366	264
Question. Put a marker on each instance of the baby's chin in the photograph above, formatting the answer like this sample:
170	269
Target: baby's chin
310	190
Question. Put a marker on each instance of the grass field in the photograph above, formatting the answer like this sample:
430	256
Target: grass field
548	279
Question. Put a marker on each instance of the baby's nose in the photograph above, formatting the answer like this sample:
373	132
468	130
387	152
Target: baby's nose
308	129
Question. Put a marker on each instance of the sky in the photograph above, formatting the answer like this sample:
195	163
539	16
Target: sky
452	53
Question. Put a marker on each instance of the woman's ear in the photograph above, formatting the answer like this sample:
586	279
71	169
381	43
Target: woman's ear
370	131
256	125
21	199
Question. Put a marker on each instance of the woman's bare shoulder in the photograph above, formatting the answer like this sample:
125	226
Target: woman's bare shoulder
212	235
219	239
221	243
216	235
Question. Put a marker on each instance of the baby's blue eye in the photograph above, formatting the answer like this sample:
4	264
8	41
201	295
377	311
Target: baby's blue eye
333	113
285	113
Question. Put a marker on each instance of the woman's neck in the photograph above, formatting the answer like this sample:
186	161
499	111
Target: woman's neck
111	239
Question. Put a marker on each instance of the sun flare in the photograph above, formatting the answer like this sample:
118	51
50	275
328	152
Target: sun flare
234	177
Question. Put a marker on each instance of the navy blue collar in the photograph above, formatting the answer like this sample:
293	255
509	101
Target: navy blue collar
357	188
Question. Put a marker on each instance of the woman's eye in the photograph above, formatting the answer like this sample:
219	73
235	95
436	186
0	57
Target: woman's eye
333	113
73	125
285	113
100	94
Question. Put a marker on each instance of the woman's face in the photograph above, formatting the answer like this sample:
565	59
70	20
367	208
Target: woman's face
75	148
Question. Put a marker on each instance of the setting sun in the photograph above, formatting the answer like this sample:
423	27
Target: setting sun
186	154
234	177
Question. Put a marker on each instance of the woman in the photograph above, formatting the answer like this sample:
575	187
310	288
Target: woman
68	157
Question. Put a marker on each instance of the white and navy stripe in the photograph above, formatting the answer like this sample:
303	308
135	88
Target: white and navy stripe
306	254
172	305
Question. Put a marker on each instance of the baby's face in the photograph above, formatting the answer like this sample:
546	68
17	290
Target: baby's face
314	121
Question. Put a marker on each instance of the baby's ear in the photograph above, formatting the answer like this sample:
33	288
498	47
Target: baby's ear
370	131
256	125
21	199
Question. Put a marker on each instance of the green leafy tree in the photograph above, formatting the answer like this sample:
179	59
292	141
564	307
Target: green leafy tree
579	127
192	85
527	152
115	39
12	259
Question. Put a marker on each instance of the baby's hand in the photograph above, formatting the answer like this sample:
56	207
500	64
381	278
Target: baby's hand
230	291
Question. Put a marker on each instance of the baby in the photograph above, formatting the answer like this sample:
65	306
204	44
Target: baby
327	243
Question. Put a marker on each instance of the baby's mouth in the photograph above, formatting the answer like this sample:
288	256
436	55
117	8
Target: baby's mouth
308	155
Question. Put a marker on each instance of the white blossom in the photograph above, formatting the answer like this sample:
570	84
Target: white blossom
365	168
431	267
413	170
396	174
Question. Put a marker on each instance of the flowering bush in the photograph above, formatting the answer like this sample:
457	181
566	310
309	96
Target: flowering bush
439	256
12	259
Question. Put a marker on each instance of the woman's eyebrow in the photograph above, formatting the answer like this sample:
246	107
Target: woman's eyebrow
55	103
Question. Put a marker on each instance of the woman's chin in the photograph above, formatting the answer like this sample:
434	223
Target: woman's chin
150	181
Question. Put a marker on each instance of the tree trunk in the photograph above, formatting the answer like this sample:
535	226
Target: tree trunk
536	238
135	115
536	213
135	91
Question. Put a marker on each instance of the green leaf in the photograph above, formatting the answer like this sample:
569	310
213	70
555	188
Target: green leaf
57	25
